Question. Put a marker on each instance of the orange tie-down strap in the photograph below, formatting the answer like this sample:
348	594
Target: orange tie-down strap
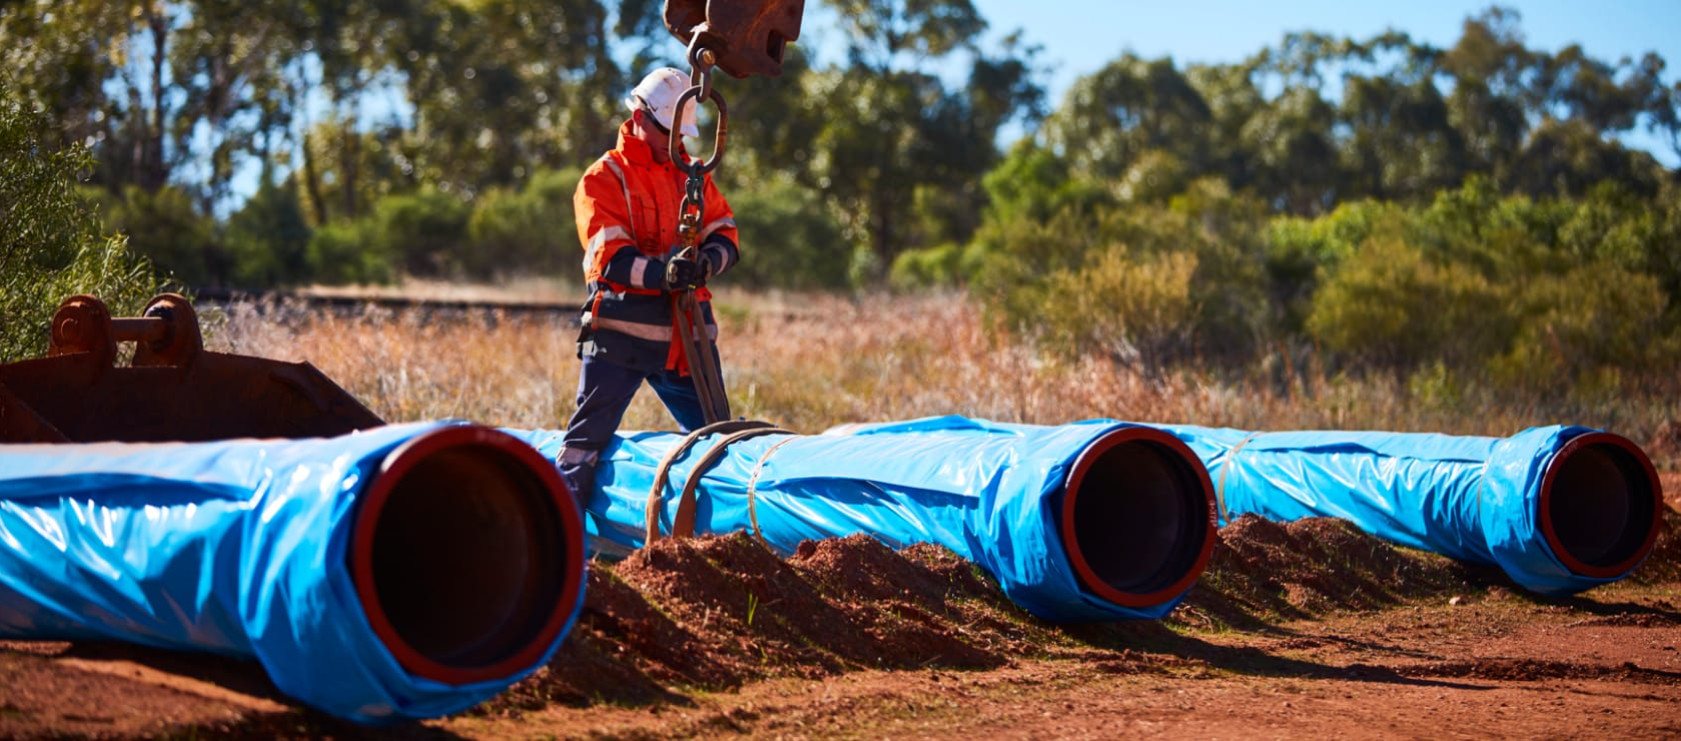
683	523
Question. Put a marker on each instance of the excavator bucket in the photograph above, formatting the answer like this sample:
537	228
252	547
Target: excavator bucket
173	389
748	36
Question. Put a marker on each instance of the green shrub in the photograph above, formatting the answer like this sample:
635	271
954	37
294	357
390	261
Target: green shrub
1155	177
1475	285
1135	308
929	267
268	240
424	232
165	227
789	240
1588	324
342	253
51	242
1392	305
533	229
1300	250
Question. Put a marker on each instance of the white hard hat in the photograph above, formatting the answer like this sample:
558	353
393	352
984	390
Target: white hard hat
658	93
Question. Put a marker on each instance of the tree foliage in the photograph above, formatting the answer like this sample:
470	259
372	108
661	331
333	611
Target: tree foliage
51	245
1399	207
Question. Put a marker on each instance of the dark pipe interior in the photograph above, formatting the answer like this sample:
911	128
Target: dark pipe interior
1141	517
469	557
1603	506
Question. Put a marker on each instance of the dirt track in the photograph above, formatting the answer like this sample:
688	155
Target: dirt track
1299	630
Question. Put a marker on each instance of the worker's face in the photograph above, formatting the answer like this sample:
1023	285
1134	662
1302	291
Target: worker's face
650	132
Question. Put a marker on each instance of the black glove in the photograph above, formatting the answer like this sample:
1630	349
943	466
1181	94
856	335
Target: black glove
708	267
681	273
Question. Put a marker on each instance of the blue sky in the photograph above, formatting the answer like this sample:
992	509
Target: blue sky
1080	36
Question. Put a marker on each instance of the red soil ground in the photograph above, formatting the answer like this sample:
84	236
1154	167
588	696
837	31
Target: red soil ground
1295	630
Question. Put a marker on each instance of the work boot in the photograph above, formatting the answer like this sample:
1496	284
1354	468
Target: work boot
577	469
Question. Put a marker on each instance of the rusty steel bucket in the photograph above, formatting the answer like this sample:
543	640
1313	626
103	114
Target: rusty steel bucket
172	390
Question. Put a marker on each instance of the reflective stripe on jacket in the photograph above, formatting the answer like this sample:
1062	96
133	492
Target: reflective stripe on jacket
627	208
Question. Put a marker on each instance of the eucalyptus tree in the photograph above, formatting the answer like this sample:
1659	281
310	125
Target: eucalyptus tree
501	88
1112	117
1489	69
892	128
1399	141
58	55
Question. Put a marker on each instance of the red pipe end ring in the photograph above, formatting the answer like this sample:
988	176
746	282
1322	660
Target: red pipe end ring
405	530
1566	500
1185	538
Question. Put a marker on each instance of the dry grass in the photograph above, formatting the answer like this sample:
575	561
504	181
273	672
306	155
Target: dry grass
508	371
813	361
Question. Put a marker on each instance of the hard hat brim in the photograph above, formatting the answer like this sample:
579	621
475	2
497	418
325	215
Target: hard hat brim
634	104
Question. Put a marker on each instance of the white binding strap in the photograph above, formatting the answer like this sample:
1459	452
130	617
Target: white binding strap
1226	467
753	483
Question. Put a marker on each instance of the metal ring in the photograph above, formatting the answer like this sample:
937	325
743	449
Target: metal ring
674	143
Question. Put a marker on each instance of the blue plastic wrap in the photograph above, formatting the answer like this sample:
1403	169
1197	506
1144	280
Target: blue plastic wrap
1559	509
242	548
993	493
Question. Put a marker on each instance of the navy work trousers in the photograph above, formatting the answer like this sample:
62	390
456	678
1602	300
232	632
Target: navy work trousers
605	391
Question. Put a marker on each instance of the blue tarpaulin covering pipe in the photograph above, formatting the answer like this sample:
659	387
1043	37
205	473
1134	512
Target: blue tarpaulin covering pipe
1559	509
401	572
1090	521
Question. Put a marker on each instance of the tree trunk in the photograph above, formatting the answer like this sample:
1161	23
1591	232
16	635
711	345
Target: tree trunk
348	155
154	174
312	182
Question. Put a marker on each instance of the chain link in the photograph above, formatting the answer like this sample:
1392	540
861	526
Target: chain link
692	211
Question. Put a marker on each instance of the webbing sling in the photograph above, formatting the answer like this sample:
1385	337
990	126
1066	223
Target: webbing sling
683	523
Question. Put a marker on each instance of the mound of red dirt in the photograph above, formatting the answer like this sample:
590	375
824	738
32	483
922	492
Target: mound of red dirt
716	612
1263	571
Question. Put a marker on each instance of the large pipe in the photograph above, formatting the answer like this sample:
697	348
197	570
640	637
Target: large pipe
400	572
1090	521
1559	509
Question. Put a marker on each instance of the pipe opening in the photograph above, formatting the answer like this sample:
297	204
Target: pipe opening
1137	519
472	559
1601	505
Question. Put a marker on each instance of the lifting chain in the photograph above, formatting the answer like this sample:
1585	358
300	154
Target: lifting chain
703	365
692	211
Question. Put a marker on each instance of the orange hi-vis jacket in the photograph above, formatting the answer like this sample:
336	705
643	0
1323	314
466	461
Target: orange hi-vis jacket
627	208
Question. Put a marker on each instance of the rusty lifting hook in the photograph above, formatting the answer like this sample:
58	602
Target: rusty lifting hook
701	60
747	37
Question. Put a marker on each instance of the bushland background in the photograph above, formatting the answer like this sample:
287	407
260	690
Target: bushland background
1369	232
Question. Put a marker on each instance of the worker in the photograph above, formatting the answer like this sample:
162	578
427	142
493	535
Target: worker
628	205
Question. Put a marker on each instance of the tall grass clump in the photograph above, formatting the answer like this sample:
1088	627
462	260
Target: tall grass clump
810	362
